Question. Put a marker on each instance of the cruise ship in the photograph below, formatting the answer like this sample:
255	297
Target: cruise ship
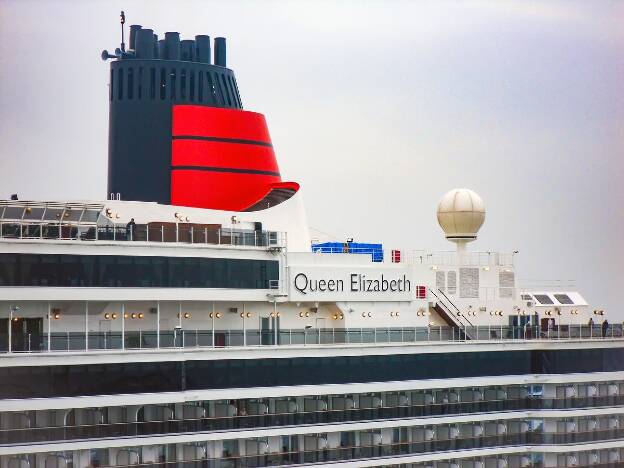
189	318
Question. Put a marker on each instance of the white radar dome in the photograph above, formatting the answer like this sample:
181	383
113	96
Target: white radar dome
461	213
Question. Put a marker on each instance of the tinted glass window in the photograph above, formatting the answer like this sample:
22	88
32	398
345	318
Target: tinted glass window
13	212
135	377
53	214
33	213
141	271
72	215
7	271
90	216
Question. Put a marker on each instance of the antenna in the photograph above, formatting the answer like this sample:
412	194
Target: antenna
123	21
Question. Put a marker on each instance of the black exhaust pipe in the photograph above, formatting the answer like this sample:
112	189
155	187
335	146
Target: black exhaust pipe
133	33
145	44
219	52
187	50
172	46
202	45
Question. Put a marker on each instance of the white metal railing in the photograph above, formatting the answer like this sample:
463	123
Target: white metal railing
439	258
487	295
451	258
226	338
528	285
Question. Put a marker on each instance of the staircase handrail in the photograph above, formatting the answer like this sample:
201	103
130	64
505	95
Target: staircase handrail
459	314
448	310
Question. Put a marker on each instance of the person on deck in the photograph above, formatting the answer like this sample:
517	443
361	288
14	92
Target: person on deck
131	229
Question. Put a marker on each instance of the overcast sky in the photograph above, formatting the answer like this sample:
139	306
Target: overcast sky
376	108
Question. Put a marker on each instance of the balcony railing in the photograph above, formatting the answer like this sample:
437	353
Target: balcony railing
227	338
397	449
240	462
245	422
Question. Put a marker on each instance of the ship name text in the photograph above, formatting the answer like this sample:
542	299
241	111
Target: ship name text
357	283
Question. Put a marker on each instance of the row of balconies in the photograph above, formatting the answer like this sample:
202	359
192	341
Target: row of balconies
333	447
131	421
606	458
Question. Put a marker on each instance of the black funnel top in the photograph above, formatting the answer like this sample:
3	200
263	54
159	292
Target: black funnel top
146	82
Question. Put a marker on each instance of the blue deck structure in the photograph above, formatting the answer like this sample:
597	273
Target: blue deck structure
375	250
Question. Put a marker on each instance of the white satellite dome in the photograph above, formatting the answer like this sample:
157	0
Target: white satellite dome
461	213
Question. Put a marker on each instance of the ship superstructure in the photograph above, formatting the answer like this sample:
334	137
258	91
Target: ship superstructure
188	320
